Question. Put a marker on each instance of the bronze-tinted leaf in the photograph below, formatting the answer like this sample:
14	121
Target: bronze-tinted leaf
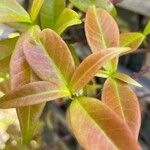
122	100
21	74
97	127
90	66
50	58
32	93
101	29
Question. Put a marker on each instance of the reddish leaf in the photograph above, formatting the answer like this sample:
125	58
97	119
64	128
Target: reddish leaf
97	127
101	29
121	99
20	74
32	93
50	57
90	66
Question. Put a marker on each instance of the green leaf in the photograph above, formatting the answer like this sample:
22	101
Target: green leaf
132	40
90	66
33	93
102	74
121	99
97	127
50	12
4	67
12	11
147	29
50	57
7	46
36	6
83	5
66	19
125	78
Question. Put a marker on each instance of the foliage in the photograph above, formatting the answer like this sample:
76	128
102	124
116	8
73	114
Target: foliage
40	67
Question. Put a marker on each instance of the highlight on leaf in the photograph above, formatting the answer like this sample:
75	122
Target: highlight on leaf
121	99
97	127
147	29
66	19
35	9
12	11
91	65
131	39
83	5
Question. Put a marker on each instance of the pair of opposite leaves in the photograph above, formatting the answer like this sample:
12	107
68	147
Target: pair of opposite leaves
41	91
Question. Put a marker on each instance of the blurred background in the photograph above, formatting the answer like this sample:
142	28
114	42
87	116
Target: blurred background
54	134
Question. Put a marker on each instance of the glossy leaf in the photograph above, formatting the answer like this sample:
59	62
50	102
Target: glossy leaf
122	100
90	66
83	5
66	19
50	58
131	39
32	93
50	12
101	29
12	11
97	127
21	74
36	6
147	29
125	78
7	46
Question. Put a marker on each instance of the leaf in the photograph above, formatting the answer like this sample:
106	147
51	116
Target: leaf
7	46
131	39
102	74
66	19
101	30
12	11
90	66
121	99
97	127
125	78
36	6
21	74
32	93
50	12
50	58
83	5
5	86
4	67
147	29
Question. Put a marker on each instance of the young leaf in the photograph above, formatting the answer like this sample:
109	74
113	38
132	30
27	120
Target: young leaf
7	46
36	6
50	12
12	11
50	58
125	78
122	100
32	93
66	19
147	29
97	127
83	5
90	66
101	29
131	39
21	74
